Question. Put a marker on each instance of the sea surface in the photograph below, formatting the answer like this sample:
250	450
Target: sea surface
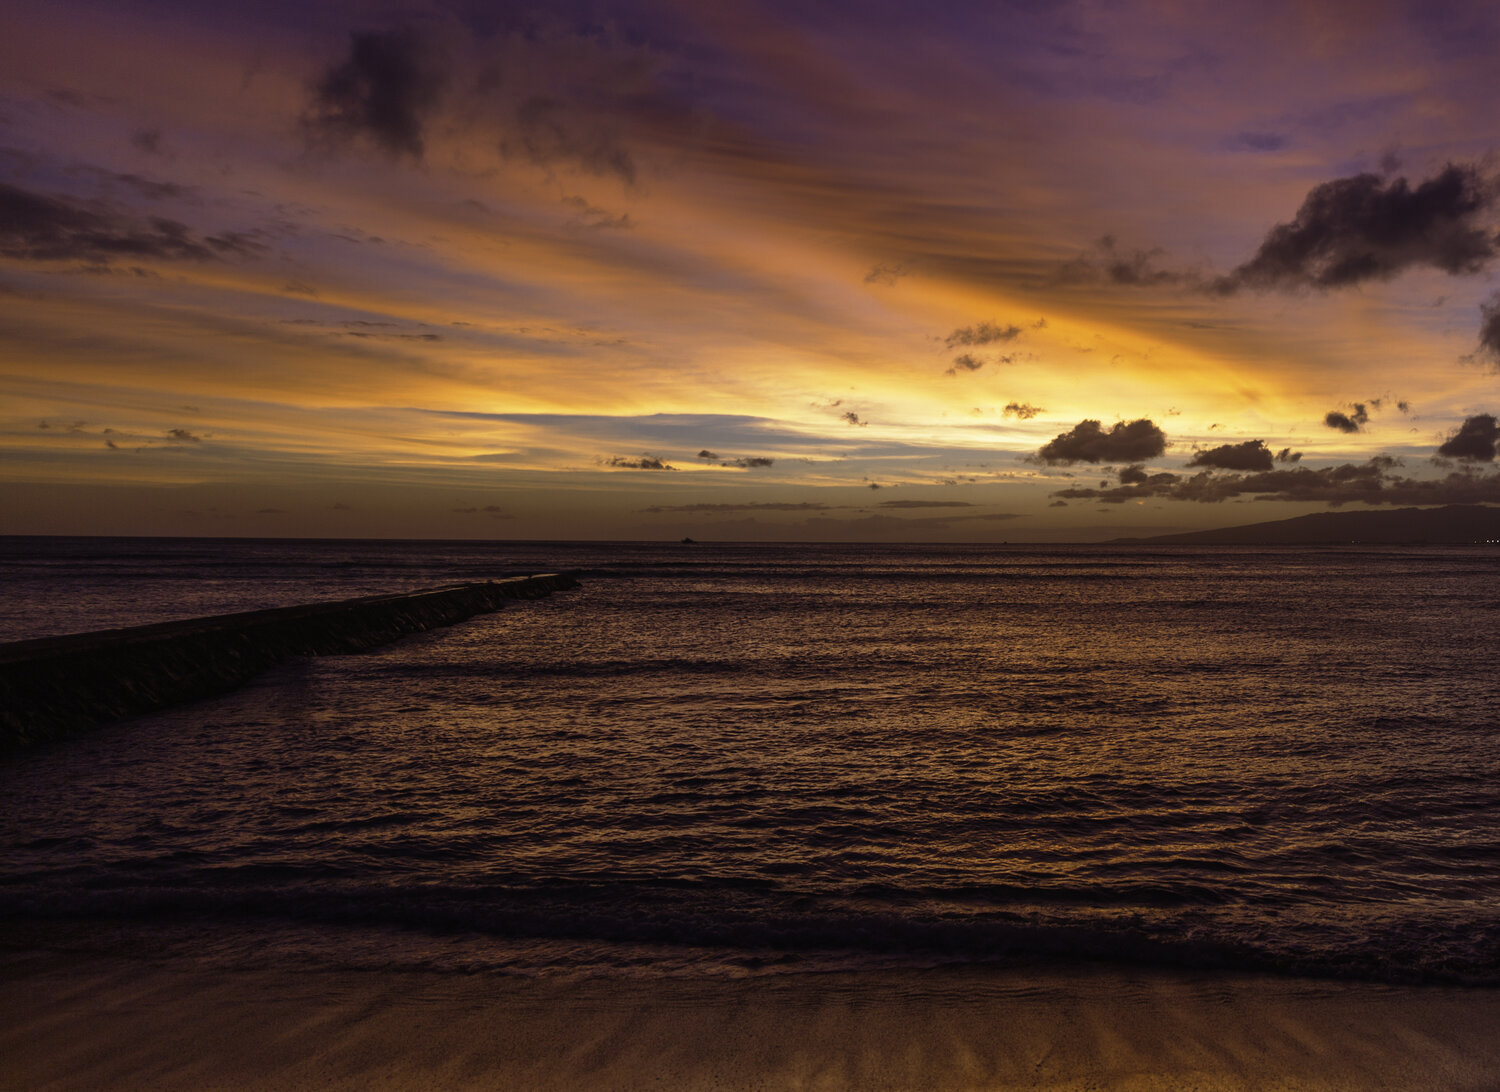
758	760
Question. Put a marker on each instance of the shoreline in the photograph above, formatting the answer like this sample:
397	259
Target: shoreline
119	1022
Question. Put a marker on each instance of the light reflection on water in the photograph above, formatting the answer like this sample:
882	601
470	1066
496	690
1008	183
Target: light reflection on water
809	757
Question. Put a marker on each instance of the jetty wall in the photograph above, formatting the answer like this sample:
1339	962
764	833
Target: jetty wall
54	686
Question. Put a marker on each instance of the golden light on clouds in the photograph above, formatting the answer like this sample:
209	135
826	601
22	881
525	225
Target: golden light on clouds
546	258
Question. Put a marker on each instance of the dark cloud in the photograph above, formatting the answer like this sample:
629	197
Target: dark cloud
1088	442
1347	231
383	91
852	418
182	436
965	362
752	506
924	504
1348	422
1365	228
1474	441
1287	455
712	456
1489	332
1374	482
1250	455
645	462
39	227
1024	410
1135	484
981	333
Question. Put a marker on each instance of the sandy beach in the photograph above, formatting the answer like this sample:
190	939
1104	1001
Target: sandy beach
79	1022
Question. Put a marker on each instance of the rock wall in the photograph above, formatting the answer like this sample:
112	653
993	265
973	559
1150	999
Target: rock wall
58	685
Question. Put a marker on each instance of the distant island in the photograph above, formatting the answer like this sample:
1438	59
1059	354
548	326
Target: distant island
1454	525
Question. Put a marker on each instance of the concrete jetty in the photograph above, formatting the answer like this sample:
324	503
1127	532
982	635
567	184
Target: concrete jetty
54	686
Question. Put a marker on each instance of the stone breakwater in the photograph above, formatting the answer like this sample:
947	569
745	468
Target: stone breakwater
58	685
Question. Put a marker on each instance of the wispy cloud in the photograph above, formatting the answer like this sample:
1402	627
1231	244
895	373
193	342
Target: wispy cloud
44	227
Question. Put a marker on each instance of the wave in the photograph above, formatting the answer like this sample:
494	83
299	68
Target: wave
747	921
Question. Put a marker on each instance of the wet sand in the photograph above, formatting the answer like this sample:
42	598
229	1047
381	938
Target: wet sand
70	1021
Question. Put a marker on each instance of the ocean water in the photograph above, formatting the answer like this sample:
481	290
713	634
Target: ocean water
757	760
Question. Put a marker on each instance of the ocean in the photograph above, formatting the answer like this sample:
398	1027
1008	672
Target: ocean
733	760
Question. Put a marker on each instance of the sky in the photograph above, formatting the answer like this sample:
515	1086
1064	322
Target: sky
746	271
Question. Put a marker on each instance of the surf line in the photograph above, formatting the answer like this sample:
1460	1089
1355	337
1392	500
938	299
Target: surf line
53	686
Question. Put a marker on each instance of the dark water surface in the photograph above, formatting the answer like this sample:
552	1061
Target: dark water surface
720	759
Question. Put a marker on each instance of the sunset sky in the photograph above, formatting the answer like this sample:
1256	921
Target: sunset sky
758	270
